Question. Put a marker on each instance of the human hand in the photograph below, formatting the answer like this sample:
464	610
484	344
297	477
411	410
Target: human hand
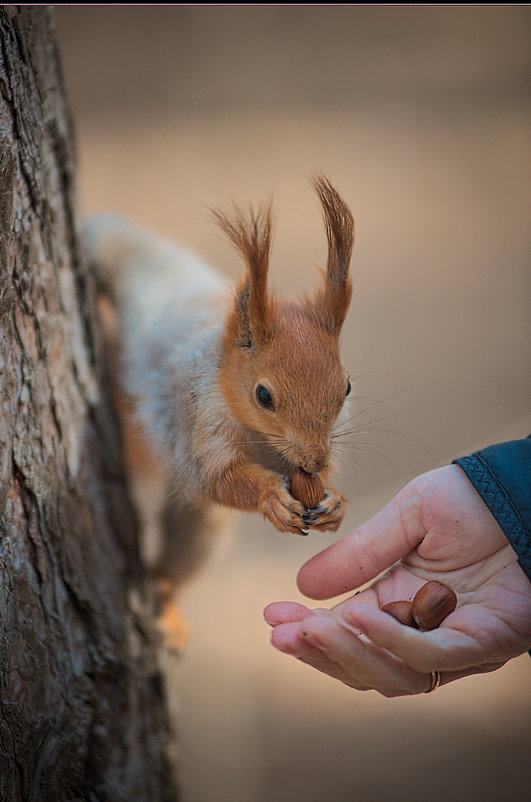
439	528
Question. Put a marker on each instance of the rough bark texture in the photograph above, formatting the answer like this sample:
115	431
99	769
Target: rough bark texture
82	709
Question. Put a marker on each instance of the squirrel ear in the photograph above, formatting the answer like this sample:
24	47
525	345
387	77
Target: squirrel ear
250	235
334	299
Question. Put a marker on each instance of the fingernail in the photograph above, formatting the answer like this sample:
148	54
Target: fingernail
283	649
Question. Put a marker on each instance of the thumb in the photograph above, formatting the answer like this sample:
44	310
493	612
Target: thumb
367	551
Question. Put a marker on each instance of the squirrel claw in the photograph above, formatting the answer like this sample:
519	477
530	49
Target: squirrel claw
329	513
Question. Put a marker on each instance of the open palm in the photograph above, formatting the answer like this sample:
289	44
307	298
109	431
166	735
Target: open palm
437	527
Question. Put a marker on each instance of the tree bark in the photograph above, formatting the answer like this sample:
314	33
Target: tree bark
82	707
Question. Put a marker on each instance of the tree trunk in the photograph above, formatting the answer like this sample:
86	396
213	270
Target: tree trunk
82	707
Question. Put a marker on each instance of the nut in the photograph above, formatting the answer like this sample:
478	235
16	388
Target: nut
307	488
433	602
402	611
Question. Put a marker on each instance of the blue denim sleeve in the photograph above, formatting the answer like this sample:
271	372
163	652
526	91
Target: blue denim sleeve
501	474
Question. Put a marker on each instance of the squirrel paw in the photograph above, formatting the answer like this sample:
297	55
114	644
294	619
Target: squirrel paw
328	515
282	510
170	623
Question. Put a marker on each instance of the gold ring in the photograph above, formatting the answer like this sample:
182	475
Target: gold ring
435	681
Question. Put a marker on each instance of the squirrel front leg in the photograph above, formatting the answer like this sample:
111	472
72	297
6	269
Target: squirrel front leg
254	489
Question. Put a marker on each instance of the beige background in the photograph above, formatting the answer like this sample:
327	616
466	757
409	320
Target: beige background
420	115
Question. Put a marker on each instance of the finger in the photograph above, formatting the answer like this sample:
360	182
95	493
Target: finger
359	665
363	665
287	638
283	612
446	647
372	548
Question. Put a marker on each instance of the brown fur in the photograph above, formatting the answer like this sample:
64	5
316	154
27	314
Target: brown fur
293	350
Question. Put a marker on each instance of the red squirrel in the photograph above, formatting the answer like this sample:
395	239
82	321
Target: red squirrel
232	390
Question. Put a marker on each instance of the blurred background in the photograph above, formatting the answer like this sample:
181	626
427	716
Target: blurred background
421	117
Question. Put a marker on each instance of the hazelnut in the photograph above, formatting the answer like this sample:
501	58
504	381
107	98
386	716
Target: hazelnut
402	611
307	488
433	602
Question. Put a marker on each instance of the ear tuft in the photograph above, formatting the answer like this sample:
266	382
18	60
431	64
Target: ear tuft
334	299
250	234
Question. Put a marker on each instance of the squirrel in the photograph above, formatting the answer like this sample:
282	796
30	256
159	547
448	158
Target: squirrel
224	392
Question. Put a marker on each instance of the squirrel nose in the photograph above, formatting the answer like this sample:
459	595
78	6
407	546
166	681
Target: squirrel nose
314	464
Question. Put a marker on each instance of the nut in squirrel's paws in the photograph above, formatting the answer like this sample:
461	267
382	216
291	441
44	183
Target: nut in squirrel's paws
325	508
307	488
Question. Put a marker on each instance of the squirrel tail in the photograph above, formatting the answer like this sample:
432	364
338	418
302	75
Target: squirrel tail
115	247
133	266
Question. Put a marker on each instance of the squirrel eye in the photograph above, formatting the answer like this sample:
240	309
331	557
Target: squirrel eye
349	388
264	397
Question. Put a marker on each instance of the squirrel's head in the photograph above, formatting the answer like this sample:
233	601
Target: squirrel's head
282	373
